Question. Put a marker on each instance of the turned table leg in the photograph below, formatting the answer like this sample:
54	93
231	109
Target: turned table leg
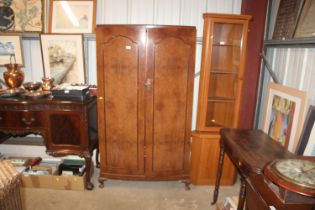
88	162
242	195
219	173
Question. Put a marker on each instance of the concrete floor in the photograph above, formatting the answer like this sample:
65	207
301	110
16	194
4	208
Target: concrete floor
126	195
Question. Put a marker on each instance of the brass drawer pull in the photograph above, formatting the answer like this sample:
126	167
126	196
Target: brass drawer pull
28	122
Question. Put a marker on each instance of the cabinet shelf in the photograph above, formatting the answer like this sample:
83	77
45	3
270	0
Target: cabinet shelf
223	71
221	99
215	124
225	45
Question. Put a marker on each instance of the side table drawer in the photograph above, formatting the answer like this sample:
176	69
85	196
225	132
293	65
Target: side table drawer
21	119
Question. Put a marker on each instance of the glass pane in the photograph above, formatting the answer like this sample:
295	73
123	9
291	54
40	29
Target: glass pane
225	63
219	113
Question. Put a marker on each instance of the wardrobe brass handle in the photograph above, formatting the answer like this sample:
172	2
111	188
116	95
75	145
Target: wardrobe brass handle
148	83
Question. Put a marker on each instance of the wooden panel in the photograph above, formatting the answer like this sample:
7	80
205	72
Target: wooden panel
170	89
24	119
121	102
171	67
120	110
220	114
61	124
204	161
222	85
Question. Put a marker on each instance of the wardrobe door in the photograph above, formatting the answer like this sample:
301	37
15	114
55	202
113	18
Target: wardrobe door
120	63
169	88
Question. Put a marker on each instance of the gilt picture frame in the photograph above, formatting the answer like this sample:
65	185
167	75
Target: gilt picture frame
11	50
307	140
63	57
23	16
72	16
284	114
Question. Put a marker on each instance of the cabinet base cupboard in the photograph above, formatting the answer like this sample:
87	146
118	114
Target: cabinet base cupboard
145	86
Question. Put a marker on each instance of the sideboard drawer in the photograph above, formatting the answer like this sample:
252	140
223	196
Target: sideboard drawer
21	119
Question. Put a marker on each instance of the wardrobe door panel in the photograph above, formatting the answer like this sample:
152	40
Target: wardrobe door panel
170	57
123	126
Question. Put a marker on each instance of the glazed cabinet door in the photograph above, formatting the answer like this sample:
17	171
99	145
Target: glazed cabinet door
221	72
120	63
168	92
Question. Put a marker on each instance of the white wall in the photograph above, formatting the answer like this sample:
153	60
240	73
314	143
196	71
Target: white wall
167	12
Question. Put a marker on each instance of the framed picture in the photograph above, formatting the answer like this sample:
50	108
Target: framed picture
11	45
307	141
63	57
284	112
22	16
72	16
305	26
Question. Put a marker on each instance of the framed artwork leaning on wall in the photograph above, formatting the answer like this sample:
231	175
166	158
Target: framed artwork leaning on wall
11	45
72	16
284	114
22	16
307	141
63	57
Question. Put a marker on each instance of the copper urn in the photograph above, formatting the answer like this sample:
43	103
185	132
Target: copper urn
13	77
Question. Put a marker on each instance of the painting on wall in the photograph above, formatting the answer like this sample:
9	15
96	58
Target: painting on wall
307	141
284	113
72	16
10	47
63	58
22	16
305	26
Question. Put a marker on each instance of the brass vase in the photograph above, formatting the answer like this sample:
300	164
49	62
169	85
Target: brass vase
13	77
48	83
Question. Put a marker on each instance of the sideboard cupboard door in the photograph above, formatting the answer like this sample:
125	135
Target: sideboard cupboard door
170	60
120	52
145	87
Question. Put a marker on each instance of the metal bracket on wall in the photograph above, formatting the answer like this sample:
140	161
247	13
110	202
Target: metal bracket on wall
271	72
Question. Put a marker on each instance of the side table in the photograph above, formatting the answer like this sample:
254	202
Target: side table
250	151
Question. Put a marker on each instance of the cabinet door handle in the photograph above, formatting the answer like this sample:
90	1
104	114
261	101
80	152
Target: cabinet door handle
148	83
28	122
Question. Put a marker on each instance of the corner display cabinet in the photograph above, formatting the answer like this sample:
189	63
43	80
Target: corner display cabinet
221	80
145	86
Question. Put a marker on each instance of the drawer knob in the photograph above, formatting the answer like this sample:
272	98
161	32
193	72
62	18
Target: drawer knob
28	122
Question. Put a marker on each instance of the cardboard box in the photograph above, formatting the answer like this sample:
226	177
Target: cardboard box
54	182
220	205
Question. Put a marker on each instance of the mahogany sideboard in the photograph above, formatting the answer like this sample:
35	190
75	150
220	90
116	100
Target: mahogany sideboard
250	151
69	127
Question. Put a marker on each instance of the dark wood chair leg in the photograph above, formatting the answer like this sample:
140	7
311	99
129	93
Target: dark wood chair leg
219	174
